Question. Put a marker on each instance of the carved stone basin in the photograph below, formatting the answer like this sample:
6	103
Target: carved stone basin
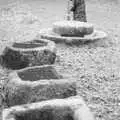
36	84
30	53
72	108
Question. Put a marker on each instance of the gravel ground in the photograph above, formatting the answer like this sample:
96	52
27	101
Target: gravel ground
95	65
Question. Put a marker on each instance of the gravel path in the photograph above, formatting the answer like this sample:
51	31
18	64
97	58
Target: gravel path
95	65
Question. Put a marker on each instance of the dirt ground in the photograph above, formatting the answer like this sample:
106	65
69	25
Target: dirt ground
94	65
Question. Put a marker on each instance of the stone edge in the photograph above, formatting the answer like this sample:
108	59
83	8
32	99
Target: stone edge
50	46
45	34
76	103
13	77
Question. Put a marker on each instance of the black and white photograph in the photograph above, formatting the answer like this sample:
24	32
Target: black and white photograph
59	59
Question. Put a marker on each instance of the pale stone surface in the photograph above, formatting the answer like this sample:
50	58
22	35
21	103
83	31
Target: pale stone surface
33	53
72	108
49	34
37	84
72	28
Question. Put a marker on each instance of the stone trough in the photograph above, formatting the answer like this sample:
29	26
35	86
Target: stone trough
30	53
36	84
72	32
72	108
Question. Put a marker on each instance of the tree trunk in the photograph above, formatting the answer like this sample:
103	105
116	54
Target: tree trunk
79	10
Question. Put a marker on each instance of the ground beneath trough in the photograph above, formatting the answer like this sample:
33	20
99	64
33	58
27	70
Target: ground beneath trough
95	65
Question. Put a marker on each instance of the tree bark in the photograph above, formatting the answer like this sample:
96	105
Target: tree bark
79	10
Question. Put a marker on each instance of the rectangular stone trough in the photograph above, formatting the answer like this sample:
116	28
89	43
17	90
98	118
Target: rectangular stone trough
36	84
72	108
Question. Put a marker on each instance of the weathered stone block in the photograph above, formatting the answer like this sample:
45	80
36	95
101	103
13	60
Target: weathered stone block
72	108
37	84
72	28
31	53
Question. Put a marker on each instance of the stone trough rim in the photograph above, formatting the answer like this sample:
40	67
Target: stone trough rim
50	46
13	77
74	102
49	34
